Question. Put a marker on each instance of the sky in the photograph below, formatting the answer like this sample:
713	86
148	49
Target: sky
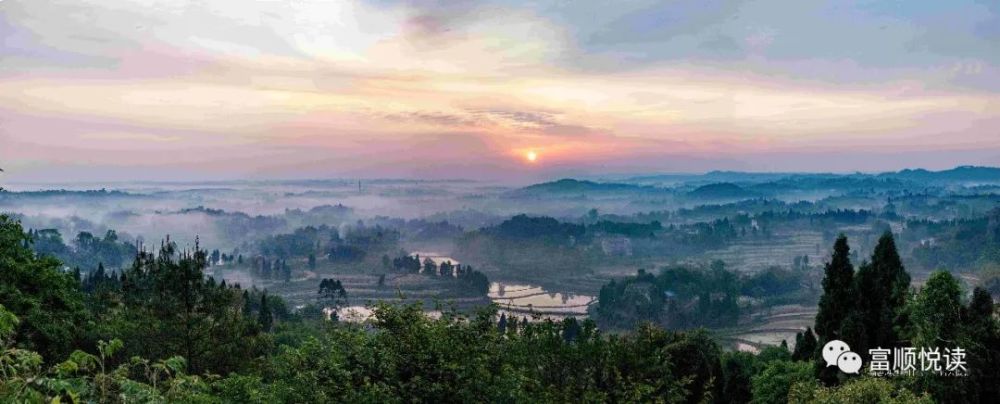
94	90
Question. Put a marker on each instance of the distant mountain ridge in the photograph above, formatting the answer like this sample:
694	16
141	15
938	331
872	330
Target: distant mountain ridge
960	173
569	185
737	184
721	190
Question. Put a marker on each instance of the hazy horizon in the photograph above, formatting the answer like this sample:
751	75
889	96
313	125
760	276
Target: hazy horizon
97	183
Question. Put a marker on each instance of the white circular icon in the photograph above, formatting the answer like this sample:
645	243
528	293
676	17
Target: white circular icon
849	362
832	350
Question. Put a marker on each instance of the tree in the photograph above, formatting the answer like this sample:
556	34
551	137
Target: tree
805	345
85	377
502	324
937	312
773	384
571	329
881	288
838	294
430	268
833	320
447	269
166	298
863	390
980	335
333	294
737	373
264	316
47	300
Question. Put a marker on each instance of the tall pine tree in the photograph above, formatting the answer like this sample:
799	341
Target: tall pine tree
264	316
835	307
981	338
882	287
838	295
805	345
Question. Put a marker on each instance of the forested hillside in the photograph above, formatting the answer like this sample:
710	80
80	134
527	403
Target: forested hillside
162	331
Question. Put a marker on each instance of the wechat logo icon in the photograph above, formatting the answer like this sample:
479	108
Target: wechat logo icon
838	353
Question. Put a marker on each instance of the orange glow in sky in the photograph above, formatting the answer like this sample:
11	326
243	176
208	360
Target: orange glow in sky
404	89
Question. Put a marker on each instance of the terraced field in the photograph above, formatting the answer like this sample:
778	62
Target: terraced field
781	249
363	289
527	300
770	328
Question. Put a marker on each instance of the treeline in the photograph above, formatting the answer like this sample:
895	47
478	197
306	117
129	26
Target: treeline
475	280
757	208
547	246
236	226
685	297
48	193
420	229
86	252
965	244
875	307
535	228
161	331
525	244
160	306
264	268
353	244
640	230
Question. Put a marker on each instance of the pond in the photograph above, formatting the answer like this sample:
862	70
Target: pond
436	257
515	300
518	299
359	314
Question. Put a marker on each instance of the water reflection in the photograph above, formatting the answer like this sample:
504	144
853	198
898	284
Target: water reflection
524	299
360	314
436	257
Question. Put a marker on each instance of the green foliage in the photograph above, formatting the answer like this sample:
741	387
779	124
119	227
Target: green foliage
838	293
639	230
863	390
805	345
8	324
85	377
881	289
667	298
332	295
523	227
170	331
737	374
868	309
980	335
773	281
87	250
937	311
166	298
45	299
774	382
539	245
887	315
960	244
408	356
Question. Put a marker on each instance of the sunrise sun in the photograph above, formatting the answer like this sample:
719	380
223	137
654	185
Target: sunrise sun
531	156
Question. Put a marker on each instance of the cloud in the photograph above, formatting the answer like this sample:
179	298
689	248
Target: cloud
335	83
435	118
